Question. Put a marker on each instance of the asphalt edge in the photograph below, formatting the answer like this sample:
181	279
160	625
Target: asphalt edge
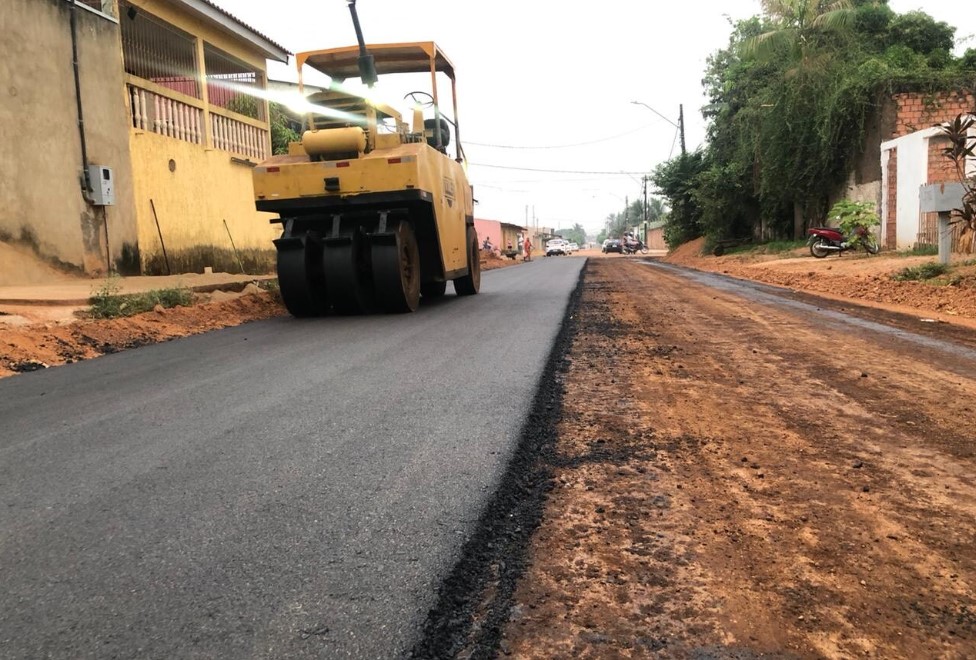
475	600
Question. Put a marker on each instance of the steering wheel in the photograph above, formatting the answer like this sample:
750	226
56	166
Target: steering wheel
423	99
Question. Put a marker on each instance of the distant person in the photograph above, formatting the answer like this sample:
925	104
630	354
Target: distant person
527	246
486	246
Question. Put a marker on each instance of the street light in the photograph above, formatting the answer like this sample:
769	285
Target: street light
680	125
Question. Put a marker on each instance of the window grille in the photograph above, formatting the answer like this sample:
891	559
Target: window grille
230	83
157	51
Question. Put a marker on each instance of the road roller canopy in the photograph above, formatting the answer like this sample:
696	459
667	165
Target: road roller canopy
421	57
342	63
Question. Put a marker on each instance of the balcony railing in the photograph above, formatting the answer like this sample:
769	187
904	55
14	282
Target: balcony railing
242	135
161	110
165	115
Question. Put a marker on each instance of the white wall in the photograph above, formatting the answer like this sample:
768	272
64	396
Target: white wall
913	173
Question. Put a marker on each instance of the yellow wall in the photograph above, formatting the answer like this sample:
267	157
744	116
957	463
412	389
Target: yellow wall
193	200
40	160
206	187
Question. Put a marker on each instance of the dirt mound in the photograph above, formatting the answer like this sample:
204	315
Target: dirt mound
690	250
850	276
493	261
39	346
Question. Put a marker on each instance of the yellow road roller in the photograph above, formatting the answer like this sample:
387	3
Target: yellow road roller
376	212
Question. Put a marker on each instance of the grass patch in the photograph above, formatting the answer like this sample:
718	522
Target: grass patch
920	250
108	303
271	286
772	247
776	247
921	272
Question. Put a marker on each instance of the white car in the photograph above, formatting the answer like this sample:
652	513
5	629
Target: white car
574	247
556	246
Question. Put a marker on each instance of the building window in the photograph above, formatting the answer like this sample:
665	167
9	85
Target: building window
107	7
158	52
232	84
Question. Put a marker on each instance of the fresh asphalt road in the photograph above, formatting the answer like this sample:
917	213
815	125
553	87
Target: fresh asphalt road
281	489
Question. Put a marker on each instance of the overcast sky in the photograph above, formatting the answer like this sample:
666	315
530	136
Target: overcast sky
541	75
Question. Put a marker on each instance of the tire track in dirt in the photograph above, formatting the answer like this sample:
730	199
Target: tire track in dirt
727	483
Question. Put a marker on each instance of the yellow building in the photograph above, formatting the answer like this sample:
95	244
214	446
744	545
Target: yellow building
164	91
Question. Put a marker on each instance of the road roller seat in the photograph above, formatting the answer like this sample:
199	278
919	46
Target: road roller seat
431	126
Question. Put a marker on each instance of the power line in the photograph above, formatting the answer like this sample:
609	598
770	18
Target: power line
673	142
670	121
558	146
551	180
533	169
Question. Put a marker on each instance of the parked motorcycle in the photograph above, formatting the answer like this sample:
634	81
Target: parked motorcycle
633	247
828	240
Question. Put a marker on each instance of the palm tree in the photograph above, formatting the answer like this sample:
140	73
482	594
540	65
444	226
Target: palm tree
795	26
655	209
795	34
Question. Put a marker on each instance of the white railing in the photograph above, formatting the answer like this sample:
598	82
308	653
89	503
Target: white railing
166	116
167	112
239	137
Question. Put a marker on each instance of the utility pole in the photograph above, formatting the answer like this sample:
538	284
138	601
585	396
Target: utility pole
626	213
644	180
681	127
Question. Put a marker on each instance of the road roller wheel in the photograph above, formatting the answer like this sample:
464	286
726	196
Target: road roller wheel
396	270
470	284
347	274
301	279
433	289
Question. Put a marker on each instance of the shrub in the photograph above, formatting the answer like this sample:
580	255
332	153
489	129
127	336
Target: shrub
922	272
108	303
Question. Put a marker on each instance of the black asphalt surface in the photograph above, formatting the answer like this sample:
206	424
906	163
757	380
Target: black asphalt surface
281	489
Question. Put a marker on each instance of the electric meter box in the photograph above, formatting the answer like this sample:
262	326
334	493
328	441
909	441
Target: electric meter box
102	181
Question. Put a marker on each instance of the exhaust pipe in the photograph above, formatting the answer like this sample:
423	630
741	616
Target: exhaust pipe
832	248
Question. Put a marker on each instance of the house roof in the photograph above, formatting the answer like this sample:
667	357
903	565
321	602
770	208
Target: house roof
236	27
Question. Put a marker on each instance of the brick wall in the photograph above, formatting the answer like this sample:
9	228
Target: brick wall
917	111
891	226
940	168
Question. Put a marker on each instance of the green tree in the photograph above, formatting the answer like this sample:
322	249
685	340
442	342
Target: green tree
575	234
968	59
785	132
244	104
281	131
796	27
677	180
921	33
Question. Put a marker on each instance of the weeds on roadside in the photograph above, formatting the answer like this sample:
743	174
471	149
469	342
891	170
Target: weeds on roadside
772	247
921	272
271	286
775	247
921	250
107	303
